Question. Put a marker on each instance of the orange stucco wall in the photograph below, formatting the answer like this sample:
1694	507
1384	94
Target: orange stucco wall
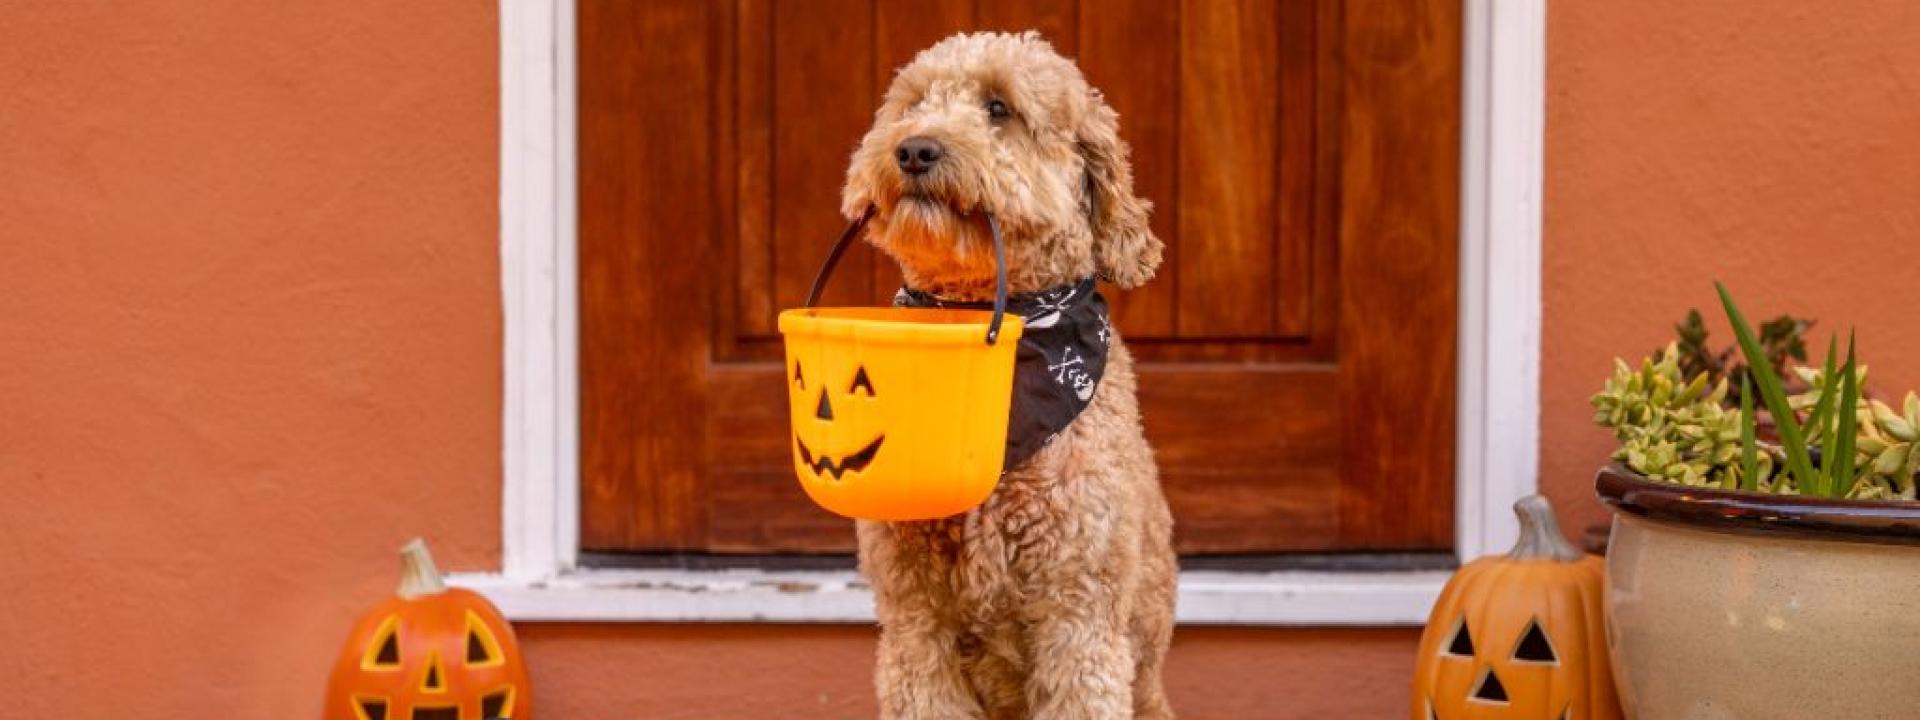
1774	145
249	338
249	333
249	282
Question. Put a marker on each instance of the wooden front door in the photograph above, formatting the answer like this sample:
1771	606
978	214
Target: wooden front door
1296	349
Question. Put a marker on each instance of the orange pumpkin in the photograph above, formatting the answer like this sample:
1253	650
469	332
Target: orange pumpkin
1520	636
429	653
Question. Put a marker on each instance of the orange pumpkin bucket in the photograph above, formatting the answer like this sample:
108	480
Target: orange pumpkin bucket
899	413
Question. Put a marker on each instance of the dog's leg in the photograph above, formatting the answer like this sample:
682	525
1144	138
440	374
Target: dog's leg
917	674
1153	617
1151	633
918	679
1076	613
1082	657
1149	699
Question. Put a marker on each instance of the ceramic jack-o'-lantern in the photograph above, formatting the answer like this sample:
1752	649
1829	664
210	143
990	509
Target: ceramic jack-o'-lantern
1520	636
430	652
899	413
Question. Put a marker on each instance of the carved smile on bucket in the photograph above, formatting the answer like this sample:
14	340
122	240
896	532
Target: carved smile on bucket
851	463
857	399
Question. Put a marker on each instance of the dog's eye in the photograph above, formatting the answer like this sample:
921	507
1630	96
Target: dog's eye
998	111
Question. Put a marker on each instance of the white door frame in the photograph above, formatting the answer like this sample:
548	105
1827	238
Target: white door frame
1498	394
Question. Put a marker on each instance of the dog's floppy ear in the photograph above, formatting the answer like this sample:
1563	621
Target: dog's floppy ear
1124	248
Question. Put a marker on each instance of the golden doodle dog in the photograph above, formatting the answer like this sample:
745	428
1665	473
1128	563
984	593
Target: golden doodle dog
1053	599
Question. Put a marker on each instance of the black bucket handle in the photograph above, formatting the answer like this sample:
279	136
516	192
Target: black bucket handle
853	231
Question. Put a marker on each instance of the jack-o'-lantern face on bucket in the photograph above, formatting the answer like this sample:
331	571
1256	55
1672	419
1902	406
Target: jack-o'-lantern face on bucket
897	414
833	458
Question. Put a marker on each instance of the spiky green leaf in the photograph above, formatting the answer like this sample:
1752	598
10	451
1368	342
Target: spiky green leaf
1798	460
1821	424
1849	419
1749	453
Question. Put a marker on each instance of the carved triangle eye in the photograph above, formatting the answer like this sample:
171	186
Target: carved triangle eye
1534	646
860	381
436	680
383	653
389	654
1489	689
494	705
798	381
476	649
1462	643
482	649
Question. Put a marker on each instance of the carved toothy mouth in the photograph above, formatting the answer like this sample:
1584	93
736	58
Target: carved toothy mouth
851	463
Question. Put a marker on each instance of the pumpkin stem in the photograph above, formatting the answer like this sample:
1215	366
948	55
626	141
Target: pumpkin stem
1540	537
418	576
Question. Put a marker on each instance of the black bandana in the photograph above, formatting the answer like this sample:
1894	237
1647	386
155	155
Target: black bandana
1062	354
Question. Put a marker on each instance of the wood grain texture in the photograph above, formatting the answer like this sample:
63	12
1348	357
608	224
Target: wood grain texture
905	27
755	504
1249	457
1057	20
1130	49
753	152
1329	118
1294	236
823	99
1399	216
1229	111
639	332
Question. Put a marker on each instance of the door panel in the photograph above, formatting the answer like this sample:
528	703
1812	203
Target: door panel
1296	348
1230	159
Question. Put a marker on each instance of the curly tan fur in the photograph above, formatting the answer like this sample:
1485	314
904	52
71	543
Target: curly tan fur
1054	599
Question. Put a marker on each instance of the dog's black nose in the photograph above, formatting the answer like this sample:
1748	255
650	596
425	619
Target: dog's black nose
918	154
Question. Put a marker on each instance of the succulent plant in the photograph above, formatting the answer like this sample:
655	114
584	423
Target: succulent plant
1672	428
1886	444
1781	337
1834	441
1892	440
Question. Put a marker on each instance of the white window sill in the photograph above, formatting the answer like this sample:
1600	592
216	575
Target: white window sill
1207	597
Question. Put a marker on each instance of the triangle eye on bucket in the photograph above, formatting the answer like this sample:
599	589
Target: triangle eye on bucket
860	380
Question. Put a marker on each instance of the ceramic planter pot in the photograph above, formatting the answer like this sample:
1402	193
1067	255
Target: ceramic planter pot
1742	606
